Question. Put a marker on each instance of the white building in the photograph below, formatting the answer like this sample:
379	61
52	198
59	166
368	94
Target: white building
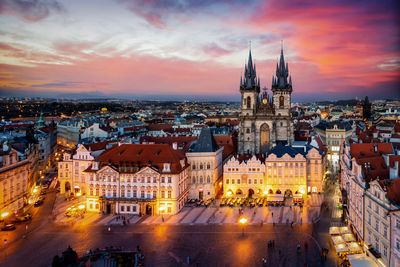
138	179
205	160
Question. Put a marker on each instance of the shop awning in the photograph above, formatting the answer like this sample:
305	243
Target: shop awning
354	247
361	260
340	248
337	239
334	230
348	237
297	196
344	230
275	198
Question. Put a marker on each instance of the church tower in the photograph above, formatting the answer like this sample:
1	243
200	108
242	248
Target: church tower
249	88
265	122
282	88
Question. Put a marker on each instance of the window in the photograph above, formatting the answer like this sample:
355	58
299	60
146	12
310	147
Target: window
114	193
261	181
169	209
369	218
122	208
122	193
154	179
376	244
97	192
169	194
148	195
377	225
169	180
91	191
398	224
162	194
385	231
255	181
201	166
208	179
377	209
281	101
369	203
154	194
162	179
134	193
128	193
142	194
134	208
148	180
194	179
398	244
233	181
208	166
238	181
201	179
227	181
249	181
128	208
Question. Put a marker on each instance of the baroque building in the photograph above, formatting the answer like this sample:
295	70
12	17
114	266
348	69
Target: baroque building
264	120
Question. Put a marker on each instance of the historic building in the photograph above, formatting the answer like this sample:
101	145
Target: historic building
138	179
282	171
14	172
205	160
264	120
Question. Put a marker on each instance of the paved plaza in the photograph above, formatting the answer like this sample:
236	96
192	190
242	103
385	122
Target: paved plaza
209	236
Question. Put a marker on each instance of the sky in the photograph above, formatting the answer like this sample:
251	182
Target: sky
190	49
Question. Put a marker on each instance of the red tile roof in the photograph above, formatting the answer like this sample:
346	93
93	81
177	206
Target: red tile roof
392	187
159	126
182	141
99	145
366	150
373	168
48	129
141	155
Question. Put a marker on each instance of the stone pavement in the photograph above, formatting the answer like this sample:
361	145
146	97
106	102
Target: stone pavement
221	215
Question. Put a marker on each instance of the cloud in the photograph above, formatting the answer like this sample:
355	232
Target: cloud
29	10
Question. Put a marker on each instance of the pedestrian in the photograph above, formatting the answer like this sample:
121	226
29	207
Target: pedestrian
188	260
273	243
272	214
109	228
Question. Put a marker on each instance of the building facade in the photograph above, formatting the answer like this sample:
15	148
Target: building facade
333	134
71	171
138	179
205	160
14	175
265	120
285	170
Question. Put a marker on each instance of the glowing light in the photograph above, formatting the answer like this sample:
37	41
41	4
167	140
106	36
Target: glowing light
340	246
35	190
265	192
302	191
229	193
5	214
81	207
78	194
243	220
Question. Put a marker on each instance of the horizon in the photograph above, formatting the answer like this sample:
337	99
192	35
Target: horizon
173	50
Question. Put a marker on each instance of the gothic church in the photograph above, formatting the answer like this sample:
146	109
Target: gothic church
265	121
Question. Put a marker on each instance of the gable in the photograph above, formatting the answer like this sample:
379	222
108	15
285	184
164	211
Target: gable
107	170
148	171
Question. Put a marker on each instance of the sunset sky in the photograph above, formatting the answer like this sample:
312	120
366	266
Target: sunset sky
197	49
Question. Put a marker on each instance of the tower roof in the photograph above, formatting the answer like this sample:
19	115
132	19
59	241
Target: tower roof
249	80
282	74
205	142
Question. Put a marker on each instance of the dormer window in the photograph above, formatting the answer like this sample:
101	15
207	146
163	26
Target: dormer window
95	165
167	167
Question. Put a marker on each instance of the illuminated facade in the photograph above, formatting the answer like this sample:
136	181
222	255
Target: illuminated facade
285	170
138	179
13	182
264	120
205	160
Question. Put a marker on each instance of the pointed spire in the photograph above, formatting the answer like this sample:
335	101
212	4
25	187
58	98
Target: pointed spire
290	79
241	82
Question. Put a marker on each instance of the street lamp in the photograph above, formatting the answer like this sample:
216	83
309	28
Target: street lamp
243	221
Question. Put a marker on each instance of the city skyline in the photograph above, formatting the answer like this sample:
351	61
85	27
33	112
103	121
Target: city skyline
184	49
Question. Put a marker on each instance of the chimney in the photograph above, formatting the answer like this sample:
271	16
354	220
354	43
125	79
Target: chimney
394	172
375	148
175	145
386	158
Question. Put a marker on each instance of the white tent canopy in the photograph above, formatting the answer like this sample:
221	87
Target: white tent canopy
361	260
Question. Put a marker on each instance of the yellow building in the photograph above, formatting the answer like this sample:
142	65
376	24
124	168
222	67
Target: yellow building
13	182
285	171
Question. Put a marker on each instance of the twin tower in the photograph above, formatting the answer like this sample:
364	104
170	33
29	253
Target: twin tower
265	121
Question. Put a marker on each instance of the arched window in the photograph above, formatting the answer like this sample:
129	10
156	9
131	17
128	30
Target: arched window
201	179
281	101
201	166
194	179
248	130
248	102
208	165
208	179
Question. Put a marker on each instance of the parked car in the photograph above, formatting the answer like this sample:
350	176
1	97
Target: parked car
23	218
8	227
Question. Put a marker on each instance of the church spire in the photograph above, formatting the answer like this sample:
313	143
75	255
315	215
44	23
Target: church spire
250	74
282	72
